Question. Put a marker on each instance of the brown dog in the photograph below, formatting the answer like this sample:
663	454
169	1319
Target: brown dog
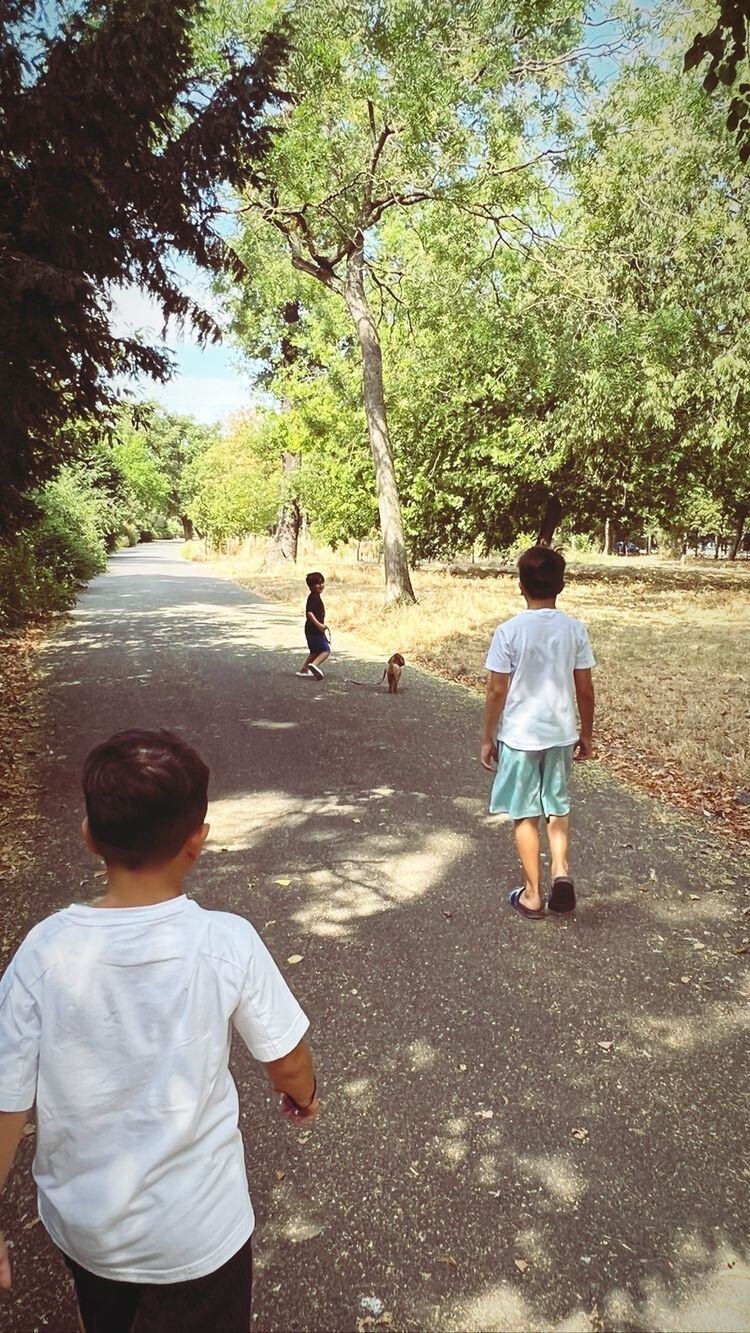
394	667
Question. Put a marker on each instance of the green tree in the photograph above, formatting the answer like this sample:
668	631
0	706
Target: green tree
153	450
232	487
390	109
103	177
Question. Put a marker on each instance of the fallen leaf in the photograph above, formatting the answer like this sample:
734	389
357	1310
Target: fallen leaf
462	1069
695	897
449	1260
484	1115
686	980
294	958
580	1134
698	945
283	881
281	1175
521	1265
606	1045
34	1222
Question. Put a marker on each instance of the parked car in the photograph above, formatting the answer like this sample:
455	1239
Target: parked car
627	548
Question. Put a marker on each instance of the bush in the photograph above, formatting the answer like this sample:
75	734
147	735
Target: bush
42	567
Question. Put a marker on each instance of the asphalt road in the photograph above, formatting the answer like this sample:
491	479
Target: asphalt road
525	1126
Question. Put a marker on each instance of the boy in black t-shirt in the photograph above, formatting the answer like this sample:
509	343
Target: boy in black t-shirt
315	629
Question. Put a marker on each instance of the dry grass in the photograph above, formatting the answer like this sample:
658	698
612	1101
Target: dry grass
672	643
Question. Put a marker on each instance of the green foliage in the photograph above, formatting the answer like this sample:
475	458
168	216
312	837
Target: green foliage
150	450
42	567
103	177
233	486
593	346
727	48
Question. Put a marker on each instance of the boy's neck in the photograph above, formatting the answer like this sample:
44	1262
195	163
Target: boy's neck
537	604
141	888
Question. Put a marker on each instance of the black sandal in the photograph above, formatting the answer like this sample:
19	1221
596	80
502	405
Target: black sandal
562	898
532	913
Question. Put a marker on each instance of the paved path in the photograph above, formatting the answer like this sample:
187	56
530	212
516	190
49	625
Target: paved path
483	1161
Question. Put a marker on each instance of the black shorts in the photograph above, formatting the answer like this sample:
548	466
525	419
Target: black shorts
216	1303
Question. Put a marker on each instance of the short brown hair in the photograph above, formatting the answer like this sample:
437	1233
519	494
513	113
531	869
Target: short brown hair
542	572
145	793
314	578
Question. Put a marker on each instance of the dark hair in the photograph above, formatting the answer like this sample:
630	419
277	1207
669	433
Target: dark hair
542	572
145	792
315	577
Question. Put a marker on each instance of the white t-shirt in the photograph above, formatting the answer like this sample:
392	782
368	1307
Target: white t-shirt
541	649
119	1021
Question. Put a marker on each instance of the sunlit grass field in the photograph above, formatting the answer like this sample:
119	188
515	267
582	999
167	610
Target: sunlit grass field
672	644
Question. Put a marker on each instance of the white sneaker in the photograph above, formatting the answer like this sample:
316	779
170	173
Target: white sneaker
303	672
315	671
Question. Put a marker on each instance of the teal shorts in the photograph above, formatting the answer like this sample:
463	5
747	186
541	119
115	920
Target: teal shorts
529	783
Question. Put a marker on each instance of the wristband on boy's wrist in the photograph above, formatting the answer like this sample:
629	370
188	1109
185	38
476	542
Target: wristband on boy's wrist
299	1106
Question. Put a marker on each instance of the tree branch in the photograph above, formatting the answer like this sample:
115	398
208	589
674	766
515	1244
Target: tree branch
569	57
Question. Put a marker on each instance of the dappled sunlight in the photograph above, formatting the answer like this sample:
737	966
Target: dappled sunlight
362	887
237	822
503	1308
523	1128
562	1179
691	1031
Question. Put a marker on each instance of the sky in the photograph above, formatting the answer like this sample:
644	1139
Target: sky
209	382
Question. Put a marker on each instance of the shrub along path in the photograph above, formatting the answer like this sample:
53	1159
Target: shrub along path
525	1126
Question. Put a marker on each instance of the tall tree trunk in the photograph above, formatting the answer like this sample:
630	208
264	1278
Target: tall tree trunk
738	531
289	521
607	537
188	531
289	518
552	516
397	578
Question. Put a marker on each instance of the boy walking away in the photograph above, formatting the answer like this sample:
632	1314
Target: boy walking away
318	645
540	666
117	1019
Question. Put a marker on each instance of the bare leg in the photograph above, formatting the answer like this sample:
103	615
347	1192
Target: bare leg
319	660
307	661
558	830
526	832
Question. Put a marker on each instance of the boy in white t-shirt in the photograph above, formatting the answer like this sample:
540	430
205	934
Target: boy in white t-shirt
540	667
117	1020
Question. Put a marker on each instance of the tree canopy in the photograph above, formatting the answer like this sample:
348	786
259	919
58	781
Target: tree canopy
115	141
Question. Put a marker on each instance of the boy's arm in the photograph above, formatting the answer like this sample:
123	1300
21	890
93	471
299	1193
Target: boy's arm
494	703
293	1077
585	698
11	1129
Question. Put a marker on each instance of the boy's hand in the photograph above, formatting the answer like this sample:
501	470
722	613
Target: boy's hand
5	1273
488	755
298	1114
583	748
